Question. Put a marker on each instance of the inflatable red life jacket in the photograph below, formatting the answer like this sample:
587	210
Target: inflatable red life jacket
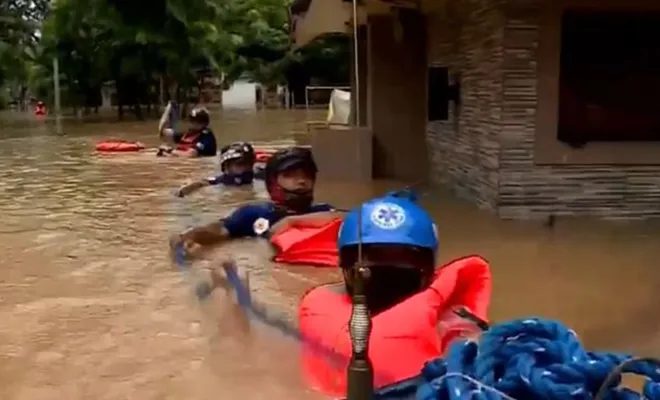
308	245
118	146
188	140
402	338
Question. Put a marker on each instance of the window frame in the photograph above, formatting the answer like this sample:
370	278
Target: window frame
547	148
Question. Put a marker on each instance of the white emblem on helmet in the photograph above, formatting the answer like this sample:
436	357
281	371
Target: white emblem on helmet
388	216
435	232
261	226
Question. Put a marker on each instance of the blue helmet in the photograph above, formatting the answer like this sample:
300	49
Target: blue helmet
391	219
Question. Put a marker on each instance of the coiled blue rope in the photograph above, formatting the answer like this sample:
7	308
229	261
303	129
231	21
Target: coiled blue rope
531	359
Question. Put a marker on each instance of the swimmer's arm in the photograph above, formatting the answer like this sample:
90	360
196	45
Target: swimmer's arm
207	235
193	187
237	224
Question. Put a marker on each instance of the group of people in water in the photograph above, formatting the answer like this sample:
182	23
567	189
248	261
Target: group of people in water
394	237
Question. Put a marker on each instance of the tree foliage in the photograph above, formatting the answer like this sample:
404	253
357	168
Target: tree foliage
18	40
136	44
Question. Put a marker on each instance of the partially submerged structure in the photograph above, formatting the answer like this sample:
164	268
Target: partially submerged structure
524	107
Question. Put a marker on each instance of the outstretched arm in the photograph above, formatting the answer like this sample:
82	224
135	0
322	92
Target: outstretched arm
238	224
195	186
194	239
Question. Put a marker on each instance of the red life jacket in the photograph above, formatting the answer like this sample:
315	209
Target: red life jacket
188	140
403	338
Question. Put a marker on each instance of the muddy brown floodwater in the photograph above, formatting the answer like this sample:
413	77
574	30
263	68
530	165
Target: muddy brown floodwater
91	307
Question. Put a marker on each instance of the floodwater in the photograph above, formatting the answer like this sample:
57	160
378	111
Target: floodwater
92	308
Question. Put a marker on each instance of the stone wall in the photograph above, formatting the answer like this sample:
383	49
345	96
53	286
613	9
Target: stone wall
529	190
465	149
486	150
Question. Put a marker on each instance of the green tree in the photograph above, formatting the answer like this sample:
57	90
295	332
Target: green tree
139	44
19	21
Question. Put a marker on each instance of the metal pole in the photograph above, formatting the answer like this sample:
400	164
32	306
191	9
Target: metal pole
307	98
58	100
360	371
356	63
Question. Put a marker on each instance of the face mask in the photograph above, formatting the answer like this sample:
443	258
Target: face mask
389	285
244	178
298	200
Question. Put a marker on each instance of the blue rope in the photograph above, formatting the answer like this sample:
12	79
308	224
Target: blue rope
202	289
530	359
256	311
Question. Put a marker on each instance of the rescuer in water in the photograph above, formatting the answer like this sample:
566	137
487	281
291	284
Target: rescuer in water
198	141
237	164
290	177
411	302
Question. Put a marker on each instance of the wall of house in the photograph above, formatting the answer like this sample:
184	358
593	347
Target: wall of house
486	150
467	38
530	190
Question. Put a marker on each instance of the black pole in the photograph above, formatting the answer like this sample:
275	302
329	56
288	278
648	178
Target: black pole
360	374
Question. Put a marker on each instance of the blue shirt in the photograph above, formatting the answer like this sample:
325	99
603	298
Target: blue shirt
204	143
256	219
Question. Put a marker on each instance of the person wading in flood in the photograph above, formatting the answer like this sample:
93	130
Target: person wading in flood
412	303
290	176
197	141
237	165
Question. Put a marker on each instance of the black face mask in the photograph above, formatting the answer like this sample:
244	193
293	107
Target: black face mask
389	285
298	200
244	178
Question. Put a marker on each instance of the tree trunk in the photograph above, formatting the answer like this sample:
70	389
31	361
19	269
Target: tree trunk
137	110
23	102
120	104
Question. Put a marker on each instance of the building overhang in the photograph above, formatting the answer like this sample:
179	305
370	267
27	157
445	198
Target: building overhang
310	19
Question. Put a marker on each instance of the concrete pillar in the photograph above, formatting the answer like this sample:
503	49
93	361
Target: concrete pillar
397	80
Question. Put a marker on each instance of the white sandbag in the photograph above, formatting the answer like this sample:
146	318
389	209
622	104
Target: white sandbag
339	109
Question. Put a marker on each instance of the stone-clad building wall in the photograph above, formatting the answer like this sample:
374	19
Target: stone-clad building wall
485	151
